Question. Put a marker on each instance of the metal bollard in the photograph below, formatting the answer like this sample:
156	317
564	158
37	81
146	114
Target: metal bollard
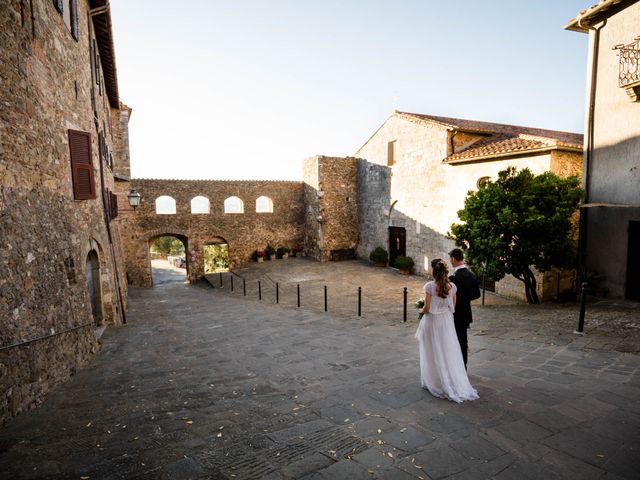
277	293
220	279
325	298
259	290
359	301
231	277
298	295
404	304
244	287
583	306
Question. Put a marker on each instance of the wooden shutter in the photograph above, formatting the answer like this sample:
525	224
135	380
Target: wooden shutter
81	165
59	4
114	204
73	11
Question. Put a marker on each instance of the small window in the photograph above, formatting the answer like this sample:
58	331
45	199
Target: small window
199	204
264	205
391	153
482	181
81	165
233	205
165	205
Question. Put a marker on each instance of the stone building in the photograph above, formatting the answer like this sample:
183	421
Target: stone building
415	171
245	215
610	217
63	141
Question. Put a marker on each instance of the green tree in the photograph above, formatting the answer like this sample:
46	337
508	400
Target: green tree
518	221
168	246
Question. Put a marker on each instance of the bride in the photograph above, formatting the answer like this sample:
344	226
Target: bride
442	369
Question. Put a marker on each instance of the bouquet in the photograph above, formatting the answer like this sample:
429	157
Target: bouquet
419	305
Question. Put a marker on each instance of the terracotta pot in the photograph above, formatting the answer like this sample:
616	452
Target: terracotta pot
260	259
381	264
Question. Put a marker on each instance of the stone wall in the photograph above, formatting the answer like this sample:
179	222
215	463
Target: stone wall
47	329
331	199
243	232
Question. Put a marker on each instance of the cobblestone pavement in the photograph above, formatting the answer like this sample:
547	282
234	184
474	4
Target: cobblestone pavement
206	383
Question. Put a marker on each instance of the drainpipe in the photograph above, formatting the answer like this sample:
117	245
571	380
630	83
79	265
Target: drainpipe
588	154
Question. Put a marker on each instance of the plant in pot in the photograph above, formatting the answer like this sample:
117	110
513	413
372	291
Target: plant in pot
260	254
297	251
379	256
271	252
404	264
282	252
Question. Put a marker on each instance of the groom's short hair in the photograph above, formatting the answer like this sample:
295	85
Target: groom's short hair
457	254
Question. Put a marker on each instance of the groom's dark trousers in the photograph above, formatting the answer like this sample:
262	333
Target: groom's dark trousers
468	289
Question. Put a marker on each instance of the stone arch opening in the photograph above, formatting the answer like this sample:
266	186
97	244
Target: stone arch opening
168	259
264	204
165	205
216	255
233	204
94	290
199	205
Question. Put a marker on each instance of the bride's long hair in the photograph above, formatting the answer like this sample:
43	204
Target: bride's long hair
441	277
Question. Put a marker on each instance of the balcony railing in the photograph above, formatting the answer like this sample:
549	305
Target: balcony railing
629	73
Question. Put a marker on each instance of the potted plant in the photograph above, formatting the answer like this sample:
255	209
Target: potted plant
404	264
297	251
260	254
379	256
282	252
270	252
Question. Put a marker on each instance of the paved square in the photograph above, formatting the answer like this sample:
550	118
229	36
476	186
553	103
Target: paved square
205	383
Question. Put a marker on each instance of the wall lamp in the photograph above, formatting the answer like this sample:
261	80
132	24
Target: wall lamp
134	198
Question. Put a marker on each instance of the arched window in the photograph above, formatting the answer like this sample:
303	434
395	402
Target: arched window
165	205
199	204
233	205
482	180
264	205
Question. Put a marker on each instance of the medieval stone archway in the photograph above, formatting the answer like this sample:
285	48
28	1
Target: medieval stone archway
175	262
215	254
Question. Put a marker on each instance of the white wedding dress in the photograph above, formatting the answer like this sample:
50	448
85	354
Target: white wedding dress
442	369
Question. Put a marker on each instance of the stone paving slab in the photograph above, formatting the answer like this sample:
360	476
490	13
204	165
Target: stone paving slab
204	383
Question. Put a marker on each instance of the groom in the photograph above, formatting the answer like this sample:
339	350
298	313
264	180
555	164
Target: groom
468	289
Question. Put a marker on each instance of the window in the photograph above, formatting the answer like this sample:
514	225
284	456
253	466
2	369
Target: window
264	205
199	204
233	205
81	165
391	153
69	11
165	205
482	181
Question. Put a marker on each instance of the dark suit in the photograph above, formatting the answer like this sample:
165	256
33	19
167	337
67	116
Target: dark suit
468	289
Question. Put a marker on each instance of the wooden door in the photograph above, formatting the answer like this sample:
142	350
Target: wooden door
397	243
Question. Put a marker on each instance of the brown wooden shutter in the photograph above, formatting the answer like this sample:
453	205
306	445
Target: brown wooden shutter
81	165
73	7
114	204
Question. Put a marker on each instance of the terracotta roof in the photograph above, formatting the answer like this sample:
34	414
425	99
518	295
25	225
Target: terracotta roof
499	140
101	16
593	14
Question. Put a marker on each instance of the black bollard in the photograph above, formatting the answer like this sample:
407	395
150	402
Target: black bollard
231	277
583	306
298	295
220	279
404	311
277	293
244	287
259	290
325	298
359	301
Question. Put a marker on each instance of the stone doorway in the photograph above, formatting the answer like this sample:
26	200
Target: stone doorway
169	262
216	256
92	272
397	243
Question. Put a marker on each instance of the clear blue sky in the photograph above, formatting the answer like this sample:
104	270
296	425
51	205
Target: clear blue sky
246	89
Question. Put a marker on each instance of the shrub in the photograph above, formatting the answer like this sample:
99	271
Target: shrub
280	251
269	250
379	255
404	263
